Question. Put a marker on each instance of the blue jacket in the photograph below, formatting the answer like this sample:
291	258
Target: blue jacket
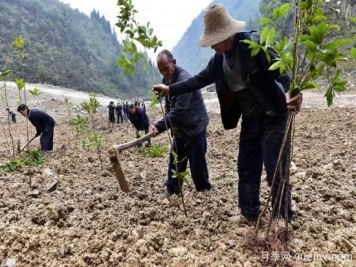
264	84
40	119
139	119
185	113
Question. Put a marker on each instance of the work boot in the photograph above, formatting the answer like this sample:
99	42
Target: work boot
205	192
242	220
166	195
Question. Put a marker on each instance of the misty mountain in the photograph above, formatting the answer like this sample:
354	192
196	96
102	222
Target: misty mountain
193	57
65	47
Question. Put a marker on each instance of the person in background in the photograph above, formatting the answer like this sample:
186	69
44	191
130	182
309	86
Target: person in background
139	120
119	113
189	135
143	106
12	114
43	123
126	110
246	88
111	112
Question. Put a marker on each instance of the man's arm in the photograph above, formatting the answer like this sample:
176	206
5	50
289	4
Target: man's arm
204	78
176	114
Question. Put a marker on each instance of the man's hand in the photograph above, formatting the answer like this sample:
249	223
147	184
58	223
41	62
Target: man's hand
295	103
161	90
155	131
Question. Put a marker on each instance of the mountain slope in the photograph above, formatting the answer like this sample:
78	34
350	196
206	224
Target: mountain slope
187	47
65	47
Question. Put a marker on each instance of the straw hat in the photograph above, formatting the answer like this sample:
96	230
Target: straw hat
219	25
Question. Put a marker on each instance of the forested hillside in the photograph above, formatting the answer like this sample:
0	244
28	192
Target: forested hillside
65	47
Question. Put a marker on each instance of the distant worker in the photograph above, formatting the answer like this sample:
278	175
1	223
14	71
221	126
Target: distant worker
111	112
119	113
139	120
143	106
126	110
12	114
44	124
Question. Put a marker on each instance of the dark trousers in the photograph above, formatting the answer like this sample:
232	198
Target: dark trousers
146	132
260	143
46	139
111	117
13	118
119	115
195	153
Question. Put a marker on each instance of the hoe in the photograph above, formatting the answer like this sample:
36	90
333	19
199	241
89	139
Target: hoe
114	158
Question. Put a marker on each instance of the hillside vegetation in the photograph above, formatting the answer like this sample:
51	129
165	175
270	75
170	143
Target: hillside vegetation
65	47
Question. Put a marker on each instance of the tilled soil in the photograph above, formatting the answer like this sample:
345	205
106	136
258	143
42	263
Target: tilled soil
86	220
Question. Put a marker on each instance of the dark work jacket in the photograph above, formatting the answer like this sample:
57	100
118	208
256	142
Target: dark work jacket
187	112
111	109
139	119
40	119
118	109
269	87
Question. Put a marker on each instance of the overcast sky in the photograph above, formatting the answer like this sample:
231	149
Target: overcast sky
169	18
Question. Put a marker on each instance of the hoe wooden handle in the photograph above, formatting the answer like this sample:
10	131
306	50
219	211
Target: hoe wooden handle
114	158
132	143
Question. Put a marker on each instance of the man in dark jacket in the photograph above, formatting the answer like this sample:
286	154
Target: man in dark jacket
245	87
126	110
119	113
139	120
187	118
44	124
111	112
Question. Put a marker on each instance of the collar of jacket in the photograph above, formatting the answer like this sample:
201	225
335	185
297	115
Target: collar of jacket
174	77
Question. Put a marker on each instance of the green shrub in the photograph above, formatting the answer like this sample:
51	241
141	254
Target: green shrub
154	151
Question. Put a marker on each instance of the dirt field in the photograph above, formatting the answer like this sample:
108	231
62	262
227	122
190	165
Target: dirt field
88	221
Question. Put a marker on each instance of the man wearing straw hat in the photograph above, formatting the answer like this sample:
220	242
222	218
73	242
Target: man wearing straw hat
247	89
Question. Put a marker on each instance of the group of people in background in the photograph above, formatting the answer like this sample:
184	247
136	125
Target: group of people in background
135	114
121	111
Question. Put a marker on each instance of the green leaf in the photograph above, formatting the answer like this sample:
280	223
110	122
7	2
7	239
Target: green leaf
281	11
252	44
255	51
310	85
328	58
270	36
265	21
329	97
334	45
186	180
311	45
277	65
263	35
318	18
175	155
35	91
20	83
